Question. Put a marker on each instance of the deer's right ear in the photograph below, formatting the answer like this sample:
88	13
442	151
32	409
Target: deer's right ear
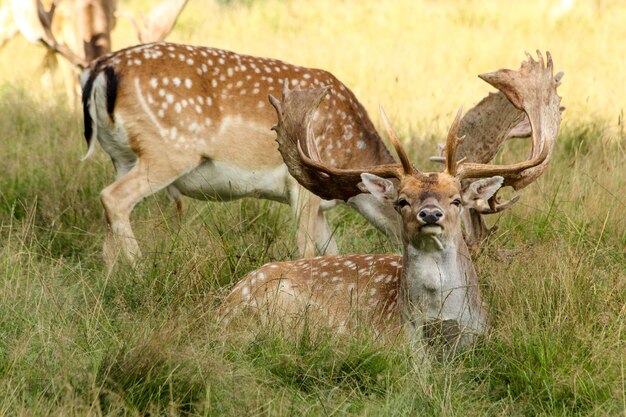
381	188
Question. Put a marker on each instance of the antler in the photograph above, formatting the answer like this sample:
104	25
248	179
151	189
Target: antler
531	89
527	105
452	143
296	143
49	40
155	25
407	165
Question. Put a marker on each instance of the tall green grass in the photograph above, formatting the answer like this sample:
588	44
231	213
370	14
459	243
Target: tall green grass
75	340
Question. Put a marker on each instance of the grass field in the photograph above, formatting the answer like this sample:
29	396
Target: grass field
77	341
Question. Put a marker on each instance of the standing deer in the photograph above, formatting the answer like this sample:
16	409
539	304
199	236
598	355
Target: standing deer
196	120
433	288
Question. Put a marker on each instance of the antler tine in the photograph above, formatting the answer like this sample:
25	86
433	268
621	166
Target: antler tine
49	40
407	166
277	106
297	145
451	144
531	89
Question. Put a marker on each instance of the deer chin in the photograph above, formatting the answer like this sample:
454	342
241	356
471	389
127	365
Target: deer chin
431	230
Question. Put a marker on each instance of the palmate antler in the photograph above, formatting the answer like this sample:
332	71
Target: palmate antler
502	115
296	143
531	90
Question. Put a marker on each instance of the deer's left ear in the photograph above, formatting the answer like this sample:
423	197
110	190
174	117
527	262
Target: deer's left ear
482	189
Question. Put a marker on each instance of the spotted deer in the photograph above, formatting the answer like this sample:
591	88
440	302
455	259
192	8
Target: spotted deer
433	288
196	121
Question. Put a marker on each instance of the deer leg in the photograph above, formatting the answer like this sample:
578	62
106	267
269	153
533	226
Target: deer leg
119	199
326	244
304	207
176	197
71	85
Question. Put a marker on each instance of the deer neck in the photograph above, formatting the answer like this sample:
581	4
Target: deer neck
440	272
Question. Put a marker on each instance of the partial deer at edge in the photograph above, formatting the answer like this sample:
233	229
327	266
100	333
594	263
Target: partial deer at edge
80	30
433	289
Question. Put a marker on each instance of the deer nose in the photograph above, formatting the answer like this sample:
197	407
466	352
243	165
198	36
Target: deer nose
430	215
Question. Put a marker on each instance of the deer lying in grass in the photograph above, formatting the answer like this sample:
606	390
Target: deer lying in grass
433	288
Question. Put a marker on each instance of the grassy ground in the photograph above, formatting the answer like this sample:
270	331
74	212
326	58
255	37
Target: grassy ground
76	341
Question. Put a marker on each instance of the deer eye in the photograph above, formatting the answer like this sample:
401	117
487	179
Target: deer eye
457	202
402	202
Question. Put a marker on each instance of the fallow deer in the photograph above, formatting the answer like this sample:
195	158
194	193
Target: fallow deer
433	288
